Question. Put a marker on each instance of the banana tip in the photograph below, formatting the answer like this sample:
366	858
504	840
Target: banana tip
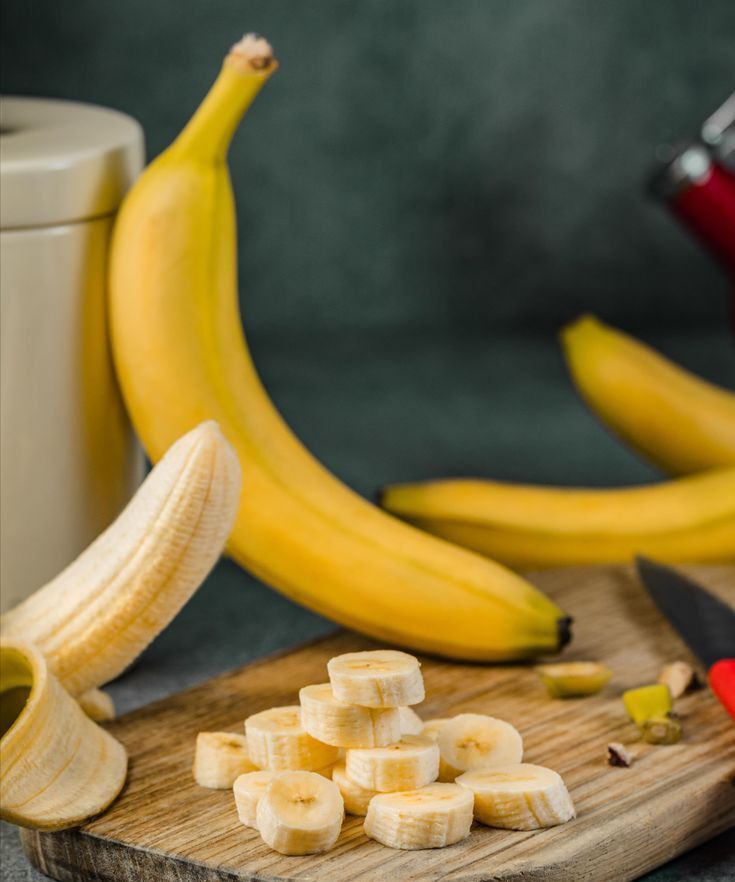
255	51
586	321
564	630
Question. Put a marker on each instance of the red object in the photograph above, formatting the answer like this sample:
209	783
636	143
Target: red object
721	678
707	208
697	183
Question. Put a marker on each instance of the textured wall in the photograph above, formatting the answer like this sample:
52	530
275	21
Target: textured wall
423	161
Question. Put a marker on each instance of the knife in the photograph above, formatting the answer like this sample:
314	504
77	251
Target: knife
705	623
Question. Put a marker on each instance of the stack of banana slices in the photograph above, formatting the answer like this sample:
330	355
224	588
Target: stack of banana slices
354	744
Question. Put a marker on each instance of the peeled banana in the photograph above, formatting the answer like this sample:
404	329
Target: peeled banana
432	817
691	519
57	767
519	797
680	423
347	725
300	813
277	740
93	619
181	357
220	757
411	763
248	790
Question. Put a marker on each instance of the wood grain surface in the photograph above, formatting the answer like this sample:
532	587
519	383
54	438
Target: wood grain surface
164	827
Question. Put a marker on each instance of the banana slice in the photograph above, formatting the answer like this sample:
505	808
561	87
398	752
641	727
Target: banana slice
519	797
574	679
381	678
356	798
219	758
411	763
277	741
57	767
300	813
248	790
347	725
432	817
97	705
411	722
476	741
431	730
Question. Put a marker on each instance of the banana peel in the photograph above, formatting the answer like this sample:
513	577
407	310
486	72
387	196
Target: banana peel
58	768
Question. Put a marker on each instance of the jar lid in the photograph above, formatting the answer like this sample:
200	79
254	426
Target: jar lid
62	161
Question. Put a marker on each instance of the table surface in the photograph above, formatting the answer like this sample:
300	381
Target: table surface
378	408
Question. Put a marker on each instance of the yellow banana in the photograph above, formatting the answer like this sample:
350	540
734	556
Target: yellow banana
690	519
680	423
96	616
181	358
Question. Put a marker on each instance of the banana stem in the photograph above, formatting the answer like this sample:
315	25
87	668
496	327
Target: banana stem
208	134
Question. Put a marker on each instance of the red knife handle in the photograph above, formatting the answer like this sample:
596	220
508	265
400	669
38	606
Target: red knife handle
721	678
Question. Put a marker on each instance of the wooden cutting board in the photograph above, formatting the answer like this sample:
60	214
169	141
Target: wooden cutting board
166	828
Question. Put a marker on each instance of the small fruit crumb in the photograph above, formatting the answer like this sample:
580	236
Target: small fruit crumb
680	677
619	755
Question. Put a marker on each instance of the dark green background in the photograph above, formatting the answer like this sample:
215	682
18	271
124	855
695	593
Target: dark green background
425	162
426	190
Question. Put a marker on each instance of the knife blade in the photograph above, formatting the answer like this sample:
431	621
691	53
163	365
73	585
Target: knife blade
705	623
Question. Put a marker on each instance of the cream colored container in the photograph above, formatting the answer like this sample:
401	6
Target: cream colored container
68	457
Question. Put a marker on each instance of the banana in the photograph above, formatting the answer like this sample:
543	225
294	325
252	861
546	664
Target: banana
219	758
97	705
411	722
57	767
411	763
181	357
432	817
346	725
277	740
691	519
379	678
677	421
300	813
356	798
574	679
93	619
519	797
248	790
475	741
